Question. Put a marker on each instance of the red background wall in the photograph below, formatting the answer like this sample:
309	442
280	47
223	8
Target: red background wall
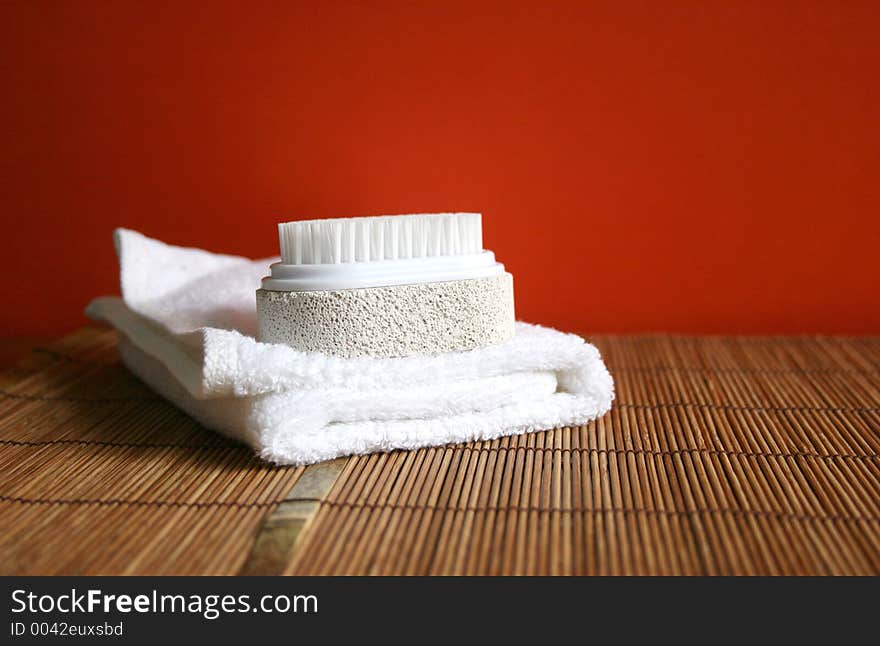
682	166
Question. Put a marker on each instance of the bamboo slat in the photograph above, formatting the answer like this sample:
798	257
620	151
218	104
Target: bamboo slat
722	455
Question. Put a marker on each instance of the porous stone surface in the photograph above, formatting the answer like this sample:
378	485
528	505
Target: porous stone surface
401	320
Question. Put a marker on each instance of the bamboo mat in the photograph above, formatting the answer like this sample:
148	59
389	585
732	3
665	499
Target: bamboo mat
730	455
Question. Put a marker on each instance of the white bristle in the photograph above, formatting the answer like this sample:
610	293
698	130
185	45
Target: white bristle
343	240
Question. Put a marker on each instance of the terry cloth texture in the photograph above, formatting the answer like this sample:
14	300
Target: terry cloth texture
187	320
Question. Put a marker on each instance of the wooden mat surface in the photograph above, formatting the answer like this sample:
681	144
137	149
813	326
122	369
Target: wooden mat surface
721	455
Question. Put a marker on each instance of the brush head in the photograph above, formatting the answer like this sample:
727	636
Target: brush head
387	237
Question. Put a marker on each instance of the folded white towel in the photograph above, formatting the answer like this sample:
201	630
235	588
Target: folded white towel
187	320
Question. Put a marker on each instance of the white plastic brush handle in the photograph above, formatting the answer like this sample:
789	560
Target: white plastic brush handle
381	273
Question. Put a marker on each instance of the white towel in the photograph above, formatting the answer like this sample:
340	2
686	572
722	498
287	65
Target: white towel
187	319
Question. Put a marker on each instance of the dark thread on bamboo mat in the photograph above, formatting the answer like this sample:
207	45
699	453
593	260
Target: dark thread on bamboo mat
747	340
755	409
111	502
746	371
760	513
78	400
219	442
68	359
667	452
223	442
443	508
